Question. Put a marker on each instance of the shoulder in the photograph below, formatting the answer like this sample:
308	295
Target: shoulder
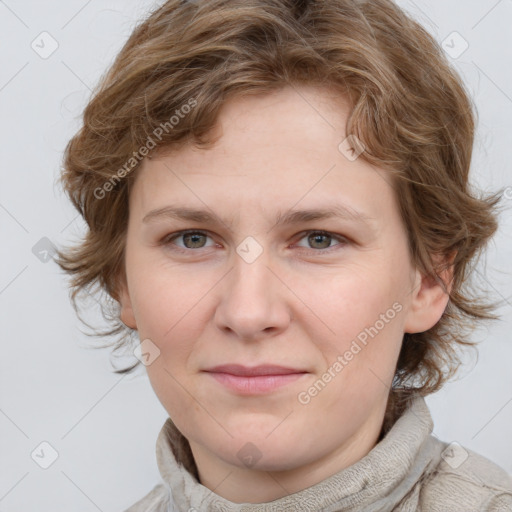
155	501
466	481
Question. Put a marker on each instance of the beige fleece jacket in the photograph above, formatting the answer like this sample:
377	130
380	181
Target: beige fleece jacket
409	470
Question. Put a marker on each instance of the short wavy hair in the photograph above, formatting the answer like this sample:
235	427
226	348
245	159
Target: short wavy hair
409	108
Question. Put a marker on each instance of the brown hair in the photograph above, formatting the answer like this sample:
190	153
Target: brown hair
409	108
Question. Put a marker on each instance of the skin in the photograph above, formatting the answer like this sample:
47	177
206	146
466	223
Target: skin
299	304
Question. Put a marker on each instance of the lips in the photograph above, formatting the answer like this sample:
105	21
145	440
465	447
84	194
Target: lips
254	371
254	380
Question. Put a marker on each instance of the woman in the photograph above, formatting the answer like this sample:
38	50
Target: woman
228	139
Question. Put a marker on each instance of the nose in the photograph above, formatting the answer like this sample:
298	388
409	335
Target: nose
254	301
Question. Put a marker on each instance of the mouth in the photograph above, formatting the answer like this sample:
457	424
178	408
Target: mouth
254	380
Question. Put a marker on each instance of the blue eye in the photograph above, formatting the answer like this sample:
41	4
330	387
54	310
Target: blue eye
197	239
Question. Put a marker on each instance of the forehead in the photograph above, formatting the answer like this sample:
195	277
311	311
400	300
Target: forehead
275	152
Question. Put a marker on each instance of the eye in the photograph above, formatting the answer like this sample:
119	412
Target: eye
320	241
191	239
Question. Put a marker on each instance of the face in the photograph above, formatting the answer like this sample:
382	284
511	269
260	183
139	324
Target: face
328	299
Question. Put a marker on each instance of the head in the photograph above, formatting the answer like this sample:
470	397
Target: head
247	110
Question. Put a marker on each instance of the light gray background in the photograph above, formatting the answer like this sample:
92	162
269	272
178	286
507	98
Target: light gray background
53	388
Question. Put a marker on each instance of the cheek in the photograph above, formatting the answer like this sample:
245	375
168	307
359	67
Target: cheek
178	396
169	320
167	298
356	300
366	315
171	315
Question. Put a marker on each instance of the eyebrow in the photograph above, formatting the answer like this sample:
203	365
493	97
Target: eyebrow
289	217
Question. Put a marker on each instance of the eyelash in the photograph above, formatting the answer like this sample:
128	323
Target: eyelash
168	239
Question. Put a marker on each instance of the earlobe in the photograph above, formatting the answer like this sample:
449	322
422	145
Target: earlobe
126	314
429	301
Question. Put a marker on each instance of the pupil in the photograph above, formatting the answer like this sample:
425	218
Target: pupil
319	236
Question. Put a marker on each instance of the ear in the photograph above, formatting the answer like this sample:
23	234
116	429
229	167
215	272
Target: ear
429	300
126	315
